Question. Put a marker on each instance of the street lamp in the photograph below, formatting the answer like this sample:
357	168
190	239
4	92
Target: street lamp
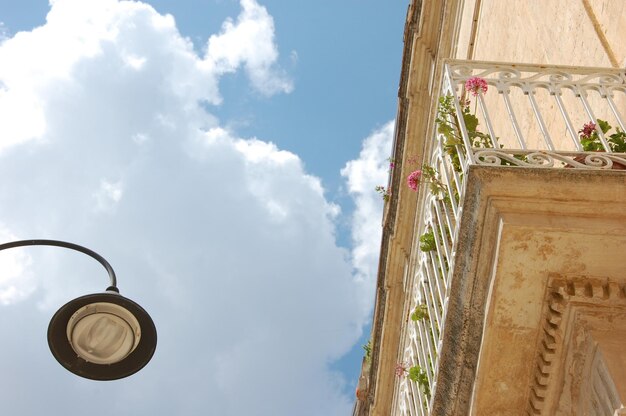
102	336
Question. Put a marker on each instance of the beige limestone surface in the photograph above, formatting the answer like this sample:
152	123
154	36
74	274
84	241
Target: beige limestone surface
565	32
557	32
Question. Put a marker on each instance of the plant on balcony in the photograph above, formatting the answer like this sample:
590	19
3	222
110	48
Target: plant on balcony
384	192
415	374
368	351
476	85
420	313
401	369
418	375
413	180
427	241
449	126
426	175
590	139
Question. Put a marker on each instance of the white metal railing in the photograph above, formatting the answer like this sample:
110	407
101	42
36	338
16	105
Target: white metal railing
534	114
531	116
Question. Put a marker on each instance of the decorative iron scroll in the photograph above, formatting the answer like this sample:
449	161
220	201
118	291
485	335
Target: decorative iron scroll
553	78
544	159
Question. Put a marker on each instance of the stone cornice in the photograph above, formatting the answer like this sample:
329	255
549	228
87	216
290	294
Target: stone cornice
516	202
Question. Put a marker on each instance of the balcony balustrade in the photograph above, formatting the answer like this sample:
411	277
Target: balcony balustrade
529	117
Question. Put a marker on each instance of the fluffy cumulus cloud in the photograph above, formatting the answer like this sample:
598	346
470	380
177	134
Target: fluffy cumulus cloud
16	281
226	241
371	169
233	47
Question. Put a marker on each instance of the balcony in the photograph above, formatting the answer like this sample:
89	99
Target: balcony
515	287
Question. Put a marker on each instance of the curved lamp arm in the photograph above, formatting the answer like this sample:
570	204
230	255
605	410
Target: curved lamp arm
102	336
72	246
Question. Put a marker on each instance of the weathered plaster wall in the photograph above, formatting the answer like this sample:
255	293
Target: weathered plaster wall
565	32
555	32
558	32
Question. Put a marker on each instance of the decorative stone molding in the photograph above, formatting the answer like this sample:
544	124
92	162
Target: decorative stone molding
567	297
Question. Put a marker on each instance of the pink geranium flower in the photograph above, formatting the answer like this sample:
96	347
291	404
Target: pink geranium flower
587	130
475	85
401	369
413	179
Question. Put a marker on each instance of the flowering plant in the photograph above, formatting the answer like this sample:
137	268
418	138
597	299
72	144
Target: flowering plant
476	85
416	374
413	179
449	126
384	192
590	139
401	369
429	176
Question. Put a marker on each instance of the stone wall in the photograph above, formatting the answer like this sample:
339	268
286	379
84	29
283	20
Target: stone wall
557	32
552	32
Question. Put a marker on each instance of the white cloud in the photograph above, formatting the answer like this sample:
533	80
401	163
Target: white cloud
294	57
4	33
134	61
28	121
363	175
249	41
140	138
16	279
108	195
227	242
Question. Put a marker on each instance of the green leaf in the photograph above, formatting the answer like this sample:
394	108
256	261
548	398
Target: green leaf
418	375
471	121
604	125
427	242
448	132
419	313
368	351
618	141
591	144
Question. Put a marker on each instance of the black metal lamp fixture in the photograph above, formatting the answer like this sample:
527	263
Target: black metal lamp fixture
102	336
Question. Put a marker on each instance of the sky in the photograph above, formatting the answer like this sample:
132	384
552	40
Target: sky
222	156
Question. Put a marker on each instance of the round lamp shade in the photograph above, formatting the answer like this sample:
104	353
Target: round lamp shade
103	336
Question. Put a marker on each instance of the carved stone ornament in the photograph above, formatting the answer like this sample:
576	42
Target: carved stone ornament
580	366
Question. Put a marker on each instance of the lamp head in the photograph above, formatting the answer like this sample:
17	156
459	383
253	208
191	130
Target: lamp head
102	336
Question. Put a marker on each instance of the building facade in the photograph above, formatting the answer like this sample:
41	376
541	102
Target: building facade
502	284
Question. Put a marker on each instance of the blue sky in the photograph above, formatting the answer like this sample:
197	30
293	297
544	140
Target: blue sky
222	156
